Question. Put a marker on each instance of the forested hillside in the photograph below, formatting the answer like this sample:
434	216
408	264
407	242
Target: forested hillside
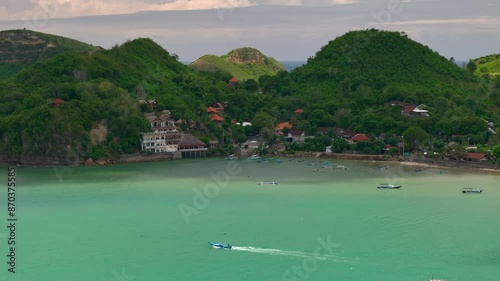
83	105
49	109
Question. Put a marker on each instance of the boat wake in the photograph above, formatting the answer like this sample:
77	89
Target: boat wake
297	254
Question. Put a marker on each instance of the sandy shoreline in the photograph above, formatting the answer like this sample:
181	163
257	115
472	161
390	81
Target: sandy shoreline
420	162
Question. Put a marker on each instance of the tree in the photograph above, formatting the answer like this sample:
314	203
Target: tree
495	152
455	151
471	66
340	145
251	85
414	136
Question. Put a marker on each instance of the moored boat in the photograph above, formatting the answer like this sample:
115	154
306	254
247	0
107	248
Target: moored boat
471	190
388	186
254	157
232	157
220	245
267	182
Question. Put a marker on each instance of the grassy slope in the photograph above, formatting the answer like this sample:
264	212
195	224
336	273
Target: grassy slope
27	47
488	65
242	71
212	63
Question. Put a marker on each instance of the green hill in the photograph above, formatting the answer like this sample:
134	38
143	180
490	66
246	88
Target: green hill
243	63
351	80
488	65
21	48
98	90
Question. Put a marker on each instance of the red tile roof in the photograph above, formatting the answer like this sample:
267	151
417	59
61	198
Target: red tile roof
233	80
299	111
217	118
212	110
409	108
360	137
475	155
347	133
283	125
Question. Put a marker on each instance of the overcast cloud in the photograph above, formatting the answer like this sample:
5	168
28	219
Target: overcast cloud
284	29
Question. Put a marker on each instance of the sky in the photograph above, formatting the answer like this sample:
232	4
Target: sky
288	30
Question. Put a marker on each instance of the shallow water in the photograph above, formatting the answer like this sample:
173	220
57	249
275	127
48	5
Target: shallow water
152	221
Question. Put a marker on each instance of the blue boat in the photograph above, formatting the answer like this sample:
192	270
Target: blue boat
220	245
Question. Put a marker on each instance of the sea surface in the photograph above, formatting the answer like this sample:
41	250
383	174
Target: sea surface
152	221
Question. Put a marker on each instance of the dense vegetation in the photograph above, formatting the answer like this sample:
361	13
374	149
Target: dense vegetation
350	84
488	66
100	89
22	48
243	63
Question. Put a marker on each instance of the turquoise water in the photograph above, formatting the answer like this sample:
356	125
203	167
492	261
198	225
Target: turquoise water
139	222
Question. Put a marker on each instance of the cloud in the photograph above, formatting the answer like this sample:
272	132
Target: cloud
49	9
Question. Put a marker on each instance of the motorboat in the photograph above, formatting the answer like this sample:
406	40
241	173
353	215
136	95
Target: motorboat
220	245
254	157
467	190
388	186
267	182
232	157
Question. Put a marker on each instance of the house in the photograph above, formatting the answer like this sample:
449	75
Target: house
299	111
414	111
152	103
165	137
346	134
212	110
213	144
160	142
216	118
162	123
282	126
192	147
234	83
475	157
253	144
296	136
360	137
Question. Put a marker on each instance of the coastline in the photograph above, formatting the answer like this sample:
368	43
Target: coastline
408	161
143	158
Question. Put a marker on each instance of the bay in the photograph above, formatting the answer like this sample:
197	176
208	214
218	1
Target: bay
152	221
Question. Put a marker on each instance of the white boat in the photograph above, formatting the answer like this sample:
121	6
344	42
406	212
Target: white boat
388	186
267	182
468	190
254	157
232	157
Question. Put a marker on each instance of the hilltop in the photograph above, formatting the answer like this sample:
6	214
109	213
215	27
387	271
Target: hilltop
22	48
488	65
363	79
243	63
